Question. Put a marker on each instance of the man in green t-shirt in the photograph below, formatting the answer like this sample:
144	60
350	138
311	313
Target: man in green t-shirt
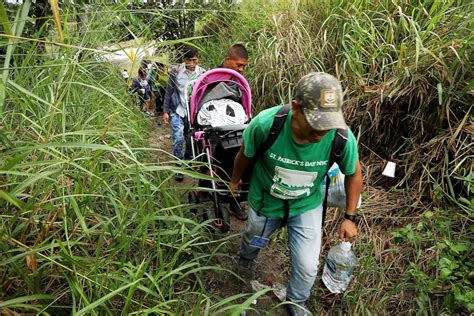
288	177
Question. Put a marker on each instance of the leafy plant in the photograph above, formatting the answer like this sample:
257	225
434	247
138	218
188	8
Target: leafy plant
448	239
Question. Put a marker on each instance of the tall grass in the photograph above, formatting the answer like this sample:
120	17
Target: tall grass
90	221
92	224
401	63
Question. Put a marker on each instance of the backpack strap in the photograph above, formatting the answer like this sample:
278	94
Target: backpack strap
338	144
277	126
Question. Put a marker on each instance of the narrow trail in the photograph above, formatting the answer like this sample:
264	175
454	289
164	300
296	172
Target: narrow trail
272	263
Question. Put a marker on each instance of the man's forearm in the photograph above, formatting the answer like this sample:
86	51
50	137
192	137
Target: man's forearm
353	187
240	165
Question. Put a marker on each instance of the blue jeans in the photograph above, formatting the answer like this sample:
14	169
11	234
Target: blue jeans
304	234
179	131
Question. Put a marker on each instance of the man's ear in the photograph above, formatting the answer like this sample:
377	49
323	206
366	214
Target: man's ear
294	106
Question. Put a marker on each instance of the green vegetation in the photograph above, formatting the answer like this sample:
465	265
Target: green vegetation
406	66
92	224
437	234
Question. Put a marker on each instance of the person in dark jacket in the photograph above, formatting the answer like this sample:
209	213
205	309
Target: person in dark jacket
160	81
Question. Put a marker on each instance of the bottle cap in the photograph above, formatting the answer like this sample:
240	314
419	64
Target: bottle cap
345	245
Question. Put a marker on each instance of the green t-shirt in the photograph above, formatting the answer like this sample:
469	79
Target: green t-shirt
288	170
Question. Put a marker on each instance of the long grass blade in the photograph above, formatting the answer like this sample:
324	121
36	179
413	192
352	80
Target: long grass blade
18	301
10	199
4	19
93	305
57	18
17	30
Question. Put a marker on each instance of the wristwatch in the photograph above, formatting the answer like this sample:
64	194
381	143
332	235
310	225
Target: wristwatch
352	218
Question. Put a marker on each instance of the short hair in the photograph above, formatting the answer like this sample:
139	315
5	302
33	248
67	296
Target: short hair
238	51
141	72
190	52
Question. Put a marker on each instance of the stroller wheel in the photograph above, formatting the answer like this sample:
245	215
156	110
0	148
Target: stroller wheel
224	218
221	222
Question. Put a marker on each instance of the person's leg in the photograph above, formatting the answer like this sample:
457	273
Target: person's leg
237	209
304	232
177	130
159	97
140	102
150	104
259	227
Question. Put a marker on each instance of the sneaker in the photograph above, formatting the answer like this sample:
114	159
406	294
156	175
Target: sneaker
298	309
237	210
179	177
245	268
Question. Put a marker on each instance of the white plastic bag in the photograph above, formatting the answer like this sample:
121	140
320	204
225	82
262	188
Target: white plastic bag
221	112
336	193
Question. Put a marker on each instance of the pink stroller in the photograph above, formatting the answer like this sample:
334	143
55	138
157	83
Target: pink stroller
217	146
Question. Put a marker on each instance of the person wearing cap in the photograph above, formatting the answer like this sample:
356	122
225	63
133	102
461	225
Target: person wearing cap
288	177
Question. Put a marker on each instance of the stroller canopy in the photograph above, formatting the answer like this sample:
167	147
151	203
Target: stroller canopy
209	79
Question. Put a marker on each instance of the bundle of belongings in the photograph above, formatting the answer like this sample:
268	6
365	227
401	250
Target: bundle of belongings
337	192
220	106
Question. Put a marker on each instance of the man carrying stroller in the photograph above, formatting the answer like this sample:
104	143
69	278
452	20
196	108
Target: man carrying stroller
237	58
285	184
174	105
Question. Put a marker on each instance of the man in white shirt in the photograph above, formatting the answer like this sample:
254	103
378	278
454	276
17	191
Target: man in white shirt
174	105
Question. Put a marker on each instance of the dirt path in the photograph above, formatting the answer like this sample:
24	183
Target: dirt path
272	264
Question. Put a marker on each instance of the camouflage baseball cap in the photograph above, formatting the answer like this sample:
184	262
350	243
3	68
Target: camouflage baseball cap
320	96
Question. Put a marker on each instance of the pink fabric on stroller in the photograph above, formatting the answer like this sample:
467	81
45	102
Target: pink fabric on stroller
214	76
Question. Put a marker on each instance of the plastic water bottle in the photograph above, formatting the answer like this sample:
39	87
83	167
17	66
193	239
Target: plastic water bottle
340	264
